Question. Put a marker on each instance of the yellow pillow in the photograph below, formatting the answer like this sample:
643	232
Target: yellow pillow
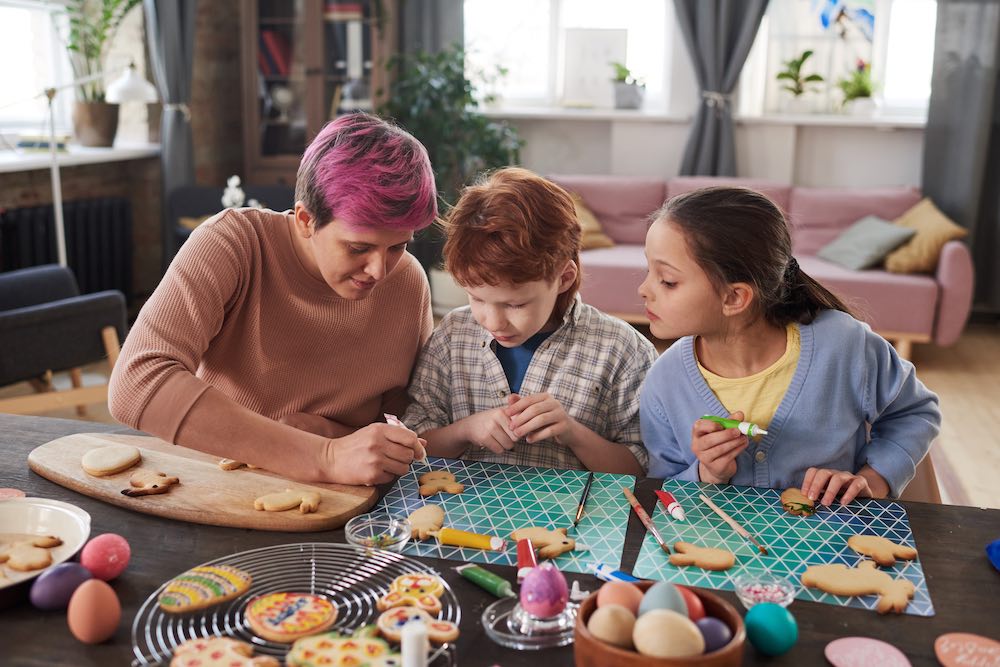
189	222
934	229
592	234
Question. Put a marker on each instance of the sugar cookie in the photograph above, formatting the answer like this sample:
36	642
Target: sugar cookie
306	501
331	649
202	587
881	550
550	543
103	461
233	464
865	579
437	481
390	623
219	652
797	503
706	558
26	553
148	483
414	590
285	617
425	521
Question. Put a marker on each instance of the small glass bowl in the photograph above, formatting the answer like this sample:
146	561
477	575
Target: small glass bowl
756	587
378	531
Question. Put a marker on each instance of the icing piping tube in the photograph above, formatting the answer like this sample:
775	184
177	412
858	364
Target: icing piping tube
462	538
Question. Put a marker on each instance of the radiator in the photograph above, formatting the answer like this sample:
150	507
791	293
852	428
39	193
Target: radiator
98	241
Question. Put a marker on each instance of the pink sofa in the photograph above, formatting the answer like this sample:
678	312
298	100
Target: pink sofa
903	308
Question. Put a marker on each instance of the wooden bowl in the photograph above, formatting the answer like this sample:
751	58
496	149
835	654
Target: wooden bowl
589	651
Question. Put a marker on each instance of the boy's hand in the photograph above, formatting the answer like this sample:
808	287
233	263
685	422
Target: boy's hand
489	430
828	483
539	417
373	455
716	448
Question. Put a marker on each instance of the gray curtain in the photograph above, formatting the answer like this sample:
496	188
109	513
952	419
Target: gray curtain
961	168
718	34
170	27
430	25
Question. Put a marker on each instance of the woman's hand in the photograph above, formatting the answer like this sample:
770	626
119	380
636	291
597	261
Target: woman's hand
540	417
829	483
373	455
716	448
490	430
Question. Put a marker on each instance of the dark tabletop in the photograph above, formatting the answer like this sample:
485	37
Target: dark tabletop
964	587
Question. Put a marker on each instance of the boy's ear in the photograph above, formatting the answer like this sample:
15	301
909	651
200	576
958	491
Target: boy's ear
737	299
304	225
568	276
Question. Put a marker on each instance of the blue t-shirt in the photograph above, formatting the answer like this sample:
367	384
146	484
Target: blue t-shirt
515	360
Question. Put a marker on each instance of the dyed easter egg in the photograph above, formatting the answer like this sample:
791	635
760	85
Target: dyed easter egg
612	624
664	633
771	628
94	612
663	595
106	556
864	651
621	593
54	587
544	592
696	610
716	633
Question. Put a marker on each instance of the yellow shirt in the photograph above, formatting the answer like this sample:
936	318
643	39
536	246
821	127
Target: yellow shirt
758	395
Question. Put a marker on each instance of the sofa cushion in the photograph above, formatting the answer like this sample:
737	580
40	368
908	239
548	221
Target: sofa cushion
865	243
591	233
816	216
777	192
611	279
622	203
889	302
933	229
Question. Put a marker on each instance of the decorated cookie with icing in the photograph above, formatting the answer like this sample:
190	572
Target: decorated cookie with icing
391	623
202	587
414	590
284	617
219	652
333	650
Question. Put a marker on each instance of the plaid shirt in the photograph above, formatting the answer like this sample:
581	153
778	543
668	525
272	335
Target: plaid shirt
593	364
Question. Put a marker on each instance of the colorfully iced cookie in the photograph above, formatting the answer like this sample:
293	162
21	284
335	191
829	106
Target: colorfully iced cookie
202	587
865	579
390	623
219	652
331	649
437	481
706	558
881	550
414	590
306	501
425	521
797	503
148	483
550	543
103	461
285	617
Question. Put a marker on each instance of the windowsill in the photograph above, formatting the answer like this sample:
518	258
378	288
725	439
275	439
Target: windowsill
881	121
566	113
12	160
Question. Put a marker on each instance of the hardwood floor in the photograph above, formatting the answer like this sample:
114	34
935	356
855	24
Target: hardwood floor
966	376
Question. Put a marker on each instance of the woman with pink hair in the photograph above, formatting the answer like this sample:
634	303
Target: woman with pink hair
278	339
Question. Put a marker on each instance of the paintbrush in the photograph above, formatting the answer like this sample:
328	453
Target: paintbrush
646	521
732	522
583	499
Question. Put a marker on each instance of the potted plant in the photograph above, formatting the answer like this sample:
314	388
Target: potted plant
795	80
629	90
858	89
91	26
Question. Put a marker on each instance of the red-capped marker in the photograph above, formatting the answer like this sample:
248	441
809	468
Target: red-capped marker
673	507
526	558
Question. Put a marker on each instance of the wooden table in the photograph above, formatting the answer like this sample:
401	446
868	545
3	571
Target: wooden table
964	587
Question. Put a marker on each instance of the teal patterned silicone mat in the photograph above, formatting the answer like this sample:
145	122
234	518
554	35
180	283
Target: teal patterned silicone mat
793	542
499	498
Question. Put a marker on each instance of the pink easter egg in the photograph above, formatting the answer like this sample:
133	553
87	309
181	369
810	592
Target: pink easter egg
863	652
106	556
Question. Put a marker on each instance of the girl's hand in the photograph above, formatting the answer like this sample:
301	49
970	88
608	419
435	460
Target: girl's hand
716	448
829	483
490	430
539	417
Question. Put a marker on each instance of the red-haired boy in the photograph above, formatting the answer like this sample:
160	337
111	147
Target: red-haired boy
527	373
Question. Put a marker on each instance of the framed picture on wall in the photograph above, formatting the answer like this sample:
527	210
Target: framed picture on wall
587	72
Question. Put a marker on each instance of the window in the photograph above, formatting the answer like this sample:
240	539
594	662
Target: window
894	38
530	39
36	60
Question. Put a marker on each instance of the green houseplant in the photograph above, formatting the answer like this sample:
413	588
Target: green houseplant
629	90
795	80
92	25
858	86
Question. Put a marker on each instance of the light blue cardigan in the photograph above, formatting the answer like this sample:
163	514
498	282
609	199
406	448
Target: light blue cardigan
846	377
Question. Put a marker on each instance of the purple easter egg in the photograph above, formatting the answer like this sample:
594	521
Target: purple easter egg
544	592
54	587
716	633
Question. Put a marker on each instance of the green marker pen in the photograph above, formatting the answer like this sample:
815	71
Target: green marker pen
485	579
746	428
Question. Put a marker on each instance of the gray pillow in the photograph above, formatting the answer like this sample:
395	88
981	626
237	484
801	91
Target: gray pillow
865	243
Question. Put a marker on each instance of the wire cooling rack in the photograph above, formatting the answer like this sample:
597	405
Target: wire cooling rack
352	577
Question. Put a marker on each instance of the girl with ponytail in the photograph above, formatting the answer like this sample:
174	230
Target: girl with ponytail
761	341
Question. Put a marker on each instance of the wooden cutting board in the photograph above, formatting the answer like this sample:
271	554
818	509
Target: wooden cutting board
206	493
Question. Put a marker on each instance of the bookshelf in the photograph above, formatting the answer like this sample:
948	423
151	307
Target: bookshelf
304	62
